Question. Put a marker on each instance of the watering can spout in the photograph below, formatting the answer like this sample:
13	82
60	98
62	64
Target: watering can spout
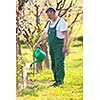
34	62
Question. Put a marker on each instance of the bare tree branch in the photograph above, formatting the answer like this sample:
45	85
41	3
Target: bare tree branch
68	7
28	42
72	4
21	3
58	4
74	20
42	7
61	6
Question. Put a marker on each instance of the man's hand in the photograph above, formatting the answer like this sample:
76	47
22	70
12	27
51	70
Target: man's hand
65	50
65	47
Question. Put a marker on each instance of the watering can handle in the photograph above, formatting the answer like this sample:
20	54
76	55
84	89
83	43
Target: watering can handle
38	48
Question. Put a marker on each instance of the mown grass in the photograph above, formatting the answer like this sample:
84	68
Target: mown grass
72	89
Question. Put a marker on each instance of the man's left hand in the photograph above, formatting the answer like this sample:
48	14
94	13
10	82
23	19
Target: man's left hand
65	49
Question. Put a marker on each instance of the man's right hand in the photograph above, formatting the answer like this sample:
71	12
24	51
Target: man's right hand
44	36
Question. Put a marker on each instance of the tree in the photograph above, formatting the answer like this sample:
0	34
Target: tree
23	27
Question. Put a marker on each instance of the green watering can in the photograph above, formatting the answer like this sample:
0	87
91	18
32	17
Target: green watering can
39	55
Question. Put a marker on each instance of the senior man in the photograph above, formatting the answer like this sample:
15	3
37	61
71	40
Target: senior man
56	33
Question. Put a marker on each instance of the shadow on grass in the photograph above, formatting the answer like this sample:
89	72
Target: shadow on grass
33	88
77	45
79	39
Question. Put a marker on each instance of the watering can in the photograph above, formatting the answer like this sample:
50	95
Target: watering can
39	55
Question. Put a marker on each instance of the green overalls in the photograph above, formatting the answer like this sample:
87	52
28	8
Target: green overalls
57	57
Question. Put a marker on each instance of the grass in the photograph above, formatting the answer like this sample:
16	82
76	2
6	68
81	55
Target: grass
72	89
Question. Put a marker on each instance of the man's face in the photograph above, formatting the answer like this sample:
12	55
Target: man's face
50	15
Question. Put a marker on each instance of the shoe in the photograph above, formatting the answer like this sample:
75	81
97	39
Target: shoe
57	84
54	84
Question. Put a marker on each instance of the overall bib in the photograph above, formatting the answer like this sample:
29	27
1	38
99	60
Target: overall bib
57	57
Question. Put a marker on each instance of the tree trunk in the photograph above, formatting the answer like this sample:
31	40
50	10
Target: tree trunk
47	58
38	67
37	15
47	62
18	47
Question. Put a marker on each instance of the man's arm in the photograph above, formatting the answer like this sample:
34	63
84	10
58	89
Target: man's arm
43	37
65	45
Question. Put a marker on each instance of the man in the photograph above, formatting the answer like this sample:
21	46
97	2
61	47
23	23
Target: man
56	33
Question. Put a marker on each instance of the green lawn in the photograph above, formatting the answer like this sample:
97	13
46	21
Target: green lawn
72	89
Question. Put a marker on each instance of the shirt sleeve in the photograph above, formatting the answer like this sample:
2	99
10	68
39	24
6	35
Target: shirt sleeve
63	26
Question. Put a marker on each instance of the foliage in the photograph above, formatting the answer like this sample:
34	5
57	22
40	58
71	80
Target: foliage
19	69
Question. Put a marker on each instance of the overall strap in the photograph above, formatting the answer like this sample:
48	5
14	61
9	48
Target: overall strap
57	22
49	24
55	25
